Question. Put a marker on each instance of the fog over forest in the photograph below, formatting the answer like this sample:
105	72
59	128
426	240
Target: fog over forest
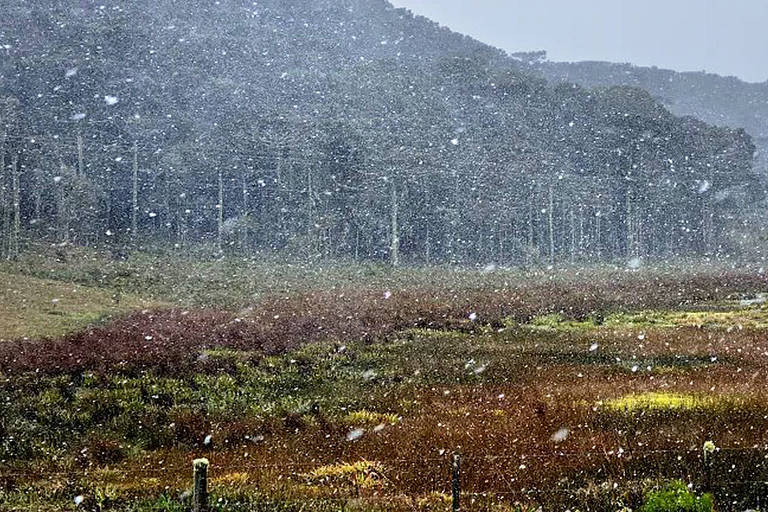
350	129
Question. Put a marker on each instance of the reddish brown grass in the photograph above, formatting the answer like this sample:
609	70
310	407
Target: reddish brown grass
170	341
507	440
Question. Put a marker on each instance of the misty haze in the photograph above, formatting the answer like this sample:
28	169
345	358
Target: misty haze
341	255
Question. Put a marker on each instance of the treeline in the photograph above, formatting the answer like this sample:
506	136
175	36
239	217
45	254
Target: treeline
712	98
340	130
307	191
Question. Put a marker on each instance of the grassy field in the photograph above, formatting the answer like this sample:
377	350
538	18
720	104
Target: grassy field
349	388
41	308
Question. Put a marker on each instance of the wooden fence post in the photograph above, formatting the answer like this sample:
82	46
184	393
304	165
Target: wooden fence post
456	482
709	453
200	493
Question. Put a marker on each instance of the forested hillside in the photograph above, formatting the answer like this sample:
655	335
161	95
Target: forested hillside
718	100
343	129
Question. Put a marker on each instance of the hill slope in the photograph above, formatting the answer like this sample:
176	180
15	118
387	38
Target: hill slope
37	308
341	129
718	100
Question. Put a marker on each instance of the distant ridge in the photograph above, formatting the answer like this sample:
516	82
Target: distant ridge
718	100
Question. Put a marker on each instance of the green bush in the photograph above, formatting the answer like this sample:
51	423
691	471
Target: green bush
676	497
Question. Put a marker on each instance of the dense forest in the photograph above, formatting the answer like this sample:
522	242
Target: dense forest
339	129
718	100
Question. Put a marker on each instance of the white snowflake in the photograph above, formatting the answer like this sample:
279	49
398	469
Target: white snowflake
355	434
561	435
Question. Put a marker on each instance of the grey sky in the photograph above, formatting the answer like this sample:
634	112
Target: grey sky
728	37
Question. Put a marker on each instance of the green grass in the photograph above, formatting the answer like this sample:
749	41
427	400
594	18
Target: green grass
348	386
185	279
370	418
558	322
190	277
735	317
676	497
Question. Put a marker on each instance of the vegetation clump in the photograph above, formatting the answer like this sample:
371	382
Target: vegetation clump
676	497
668	401
344	383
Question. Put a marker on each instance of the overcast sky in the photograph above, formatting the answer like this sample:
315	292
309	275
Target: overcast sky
728	37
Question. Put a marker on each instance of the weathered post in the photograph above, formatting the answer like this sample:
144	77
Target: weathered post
200	492
456	482
709	452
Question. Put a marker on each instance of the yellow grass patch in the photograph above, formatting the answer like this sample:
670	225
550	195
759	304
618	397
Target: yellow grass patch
362	474
365	417
753	317
666	401
36	308
232	479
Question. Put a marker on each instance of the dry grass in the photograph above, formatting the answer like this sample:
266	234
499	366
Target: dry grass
553	392
40	308
170	340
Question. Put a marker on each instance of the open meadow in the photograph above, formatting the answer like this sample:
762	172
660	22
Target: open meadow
350	387
383	256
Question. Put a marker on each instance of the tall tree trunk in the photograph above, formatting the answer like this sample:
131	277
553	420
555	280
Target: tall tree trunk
357	243
135	192
630	227
530	223
245	212
711	231
311	209
8	224
4	228
572	216
62	220
181	221
15	245
80	158
550	214
38	194
281	215
501	234
394	250
581	232
598	235
57	197
220	218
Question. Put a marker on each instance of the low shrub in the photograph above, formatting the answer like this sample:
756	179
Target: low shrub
181	341
676	497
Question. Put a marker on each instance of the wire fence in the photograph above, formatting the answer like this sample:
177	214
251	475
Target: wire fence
736	476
